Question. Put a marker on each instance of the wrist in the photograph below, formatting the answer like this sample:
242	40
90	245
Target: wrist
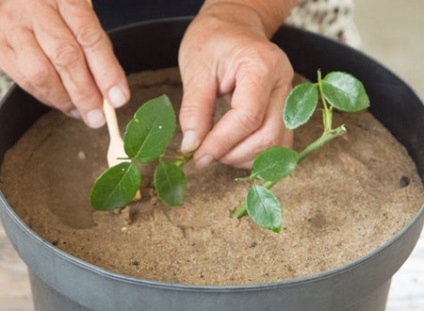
269	15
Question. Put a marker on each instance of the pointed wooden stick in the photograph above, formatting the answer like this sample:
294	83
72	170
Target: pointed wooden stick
116	152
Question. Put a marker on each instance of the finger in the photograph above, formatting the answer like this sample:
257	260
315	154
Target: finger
30	68
197	108
104	67
68	59
246	162
272	133
249	105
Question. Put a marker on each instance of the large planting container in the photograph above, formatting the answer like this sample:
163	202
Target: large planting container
62	282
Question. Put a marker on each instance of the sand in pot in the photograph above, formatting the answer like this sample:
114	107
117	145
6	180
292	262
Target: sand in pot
341	203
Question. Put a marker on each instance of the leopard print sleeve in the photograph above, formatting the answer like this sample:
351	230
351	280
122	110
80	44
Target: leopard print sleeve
331	18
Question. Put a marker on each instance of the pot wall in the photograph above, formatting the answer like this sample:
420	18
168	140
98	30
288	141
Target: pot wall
62	282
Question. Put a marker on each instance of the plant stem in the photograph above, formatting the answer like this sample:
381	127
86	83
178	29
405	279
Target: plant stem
327	116
240	211
325	137
248	178
183	159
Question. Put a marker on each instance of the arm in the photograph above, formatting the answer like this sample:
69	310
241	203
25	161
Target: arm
270	14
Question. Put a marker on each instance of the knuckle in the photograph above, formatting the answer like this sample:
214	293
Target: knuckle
89	37
36	75
268	59
272	138
63	104
190	112
258	65
88	99
267	67
66	54
221	147
249	121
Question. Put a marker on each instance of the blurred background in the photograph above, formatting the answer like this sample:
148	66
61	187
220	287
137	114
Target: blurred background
392	34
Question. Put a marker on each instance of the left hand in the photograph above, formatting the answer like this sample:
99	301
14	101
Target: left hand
223	53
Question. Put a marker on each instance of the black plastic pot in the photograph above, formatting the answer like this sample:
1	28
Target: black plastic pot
62	282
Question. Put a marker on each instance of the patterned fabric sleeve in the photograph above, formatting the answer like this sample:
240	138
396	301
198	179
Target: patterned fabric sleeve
331	18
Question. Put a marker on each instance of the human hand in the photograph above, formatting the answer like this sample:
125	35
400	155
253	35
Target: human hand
226	53
57	51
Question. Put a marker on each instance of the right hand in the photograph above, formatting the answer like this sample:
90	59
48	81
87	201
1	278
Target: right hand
226	55
57	51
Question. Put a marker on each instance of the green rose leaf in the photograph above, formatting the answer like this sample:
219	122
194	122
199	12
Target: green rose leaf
274	163
116	187
170	183
300	105
150	131
264	208
344	92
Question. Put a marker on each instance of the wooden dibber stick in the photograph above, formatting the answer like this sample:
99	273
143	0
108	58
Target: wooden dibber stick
115	153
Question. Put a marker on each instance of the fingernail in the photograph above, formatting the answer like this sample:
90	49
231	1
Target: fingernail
117	97
204	161
95	118
189	142
75	114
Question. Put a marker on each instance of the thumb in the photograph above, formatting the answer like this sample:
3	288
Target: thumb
197	110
